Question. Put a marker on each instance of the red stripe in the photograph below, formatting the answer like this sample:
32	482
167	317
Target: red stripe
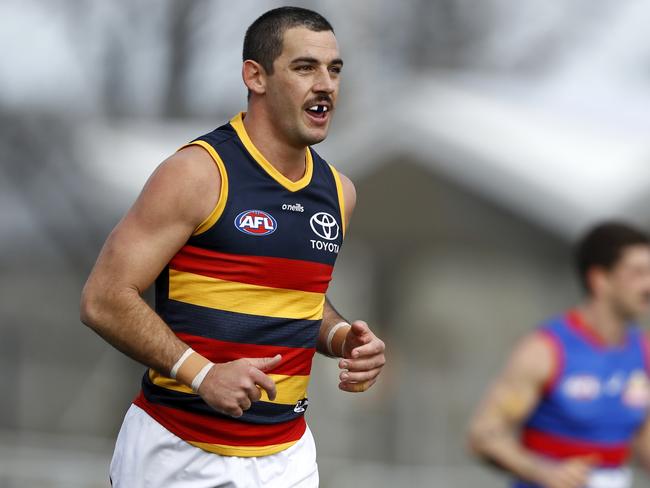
290	274
295	360
562	447
558	360
581	327
214	430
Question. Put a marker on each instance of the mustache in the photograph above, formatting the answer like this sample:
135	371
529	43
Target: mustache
320	99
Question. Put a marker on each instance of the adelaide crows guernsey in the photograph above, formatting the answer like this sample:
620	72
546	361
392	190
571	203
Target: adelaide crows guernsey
595	402
250	282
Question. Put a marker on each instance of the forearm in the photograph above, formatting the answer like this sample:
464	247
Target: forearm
331	317
124	320
499	446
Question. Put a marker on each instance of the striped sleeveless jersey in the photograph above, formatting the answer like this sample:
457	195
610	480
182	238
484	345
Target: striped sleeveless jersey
250	282
595	402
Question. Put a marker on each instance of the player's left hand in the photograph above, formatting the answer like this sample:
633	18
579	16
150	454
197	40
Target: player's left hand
363	358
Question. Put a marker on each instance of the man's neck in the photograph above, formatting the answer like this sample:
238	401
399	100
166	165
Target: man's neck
603	319
287	159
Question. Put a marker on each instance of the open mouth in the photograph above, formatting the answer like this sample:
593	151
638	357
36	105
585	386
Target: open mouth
319	111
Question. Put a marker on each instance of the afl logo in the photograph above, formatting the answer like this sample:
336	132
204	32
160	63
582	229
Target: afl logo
324	226
256	223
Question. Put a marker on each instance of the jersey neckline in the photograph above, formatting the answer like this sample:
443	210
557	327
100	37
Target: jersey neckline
580	326
237	123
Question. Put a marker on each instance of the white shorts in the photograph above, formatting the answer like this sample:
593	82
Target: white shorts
610	478
149	456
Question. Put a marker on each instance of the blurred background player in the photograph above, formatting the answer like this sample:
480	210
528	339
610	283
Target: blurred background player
574	395
240	229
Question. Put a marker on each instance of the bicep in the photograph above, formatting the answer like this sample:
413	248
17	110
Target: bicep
137	250
175	200
517	390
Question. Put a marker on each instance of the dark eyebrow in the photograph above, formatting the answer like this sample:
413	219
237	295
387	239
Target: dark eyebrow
337	61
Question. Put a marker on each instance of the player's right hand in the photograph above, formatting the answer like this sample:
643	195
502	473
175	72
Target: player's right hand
572	473
231	388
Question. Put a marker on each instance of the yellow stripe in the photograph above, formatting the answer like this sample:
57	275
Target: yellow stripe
168	383
211	219
238	124
244	298
242	451
339	192
290	389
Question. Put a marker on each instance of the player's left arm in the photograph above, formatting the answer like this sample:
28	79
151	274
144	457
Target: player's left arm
361	351
642	438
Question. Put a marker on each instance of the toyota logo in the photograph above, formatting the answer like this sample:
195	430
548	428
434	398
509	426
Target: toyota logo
324	226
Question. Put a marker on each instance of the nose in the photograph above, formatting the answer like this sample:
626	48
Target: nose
325	82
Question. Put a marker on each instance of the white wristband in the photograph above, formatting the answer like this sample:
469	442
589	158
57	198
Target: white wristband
198	379
330	336
174	371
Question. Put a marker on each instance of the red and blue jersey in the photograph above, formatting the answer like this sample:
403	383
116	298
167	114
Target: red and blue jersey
250	282
597	398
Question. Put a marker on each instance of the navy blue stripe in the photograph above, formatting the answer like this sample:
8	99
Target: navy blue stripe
239	327
259	413
252	188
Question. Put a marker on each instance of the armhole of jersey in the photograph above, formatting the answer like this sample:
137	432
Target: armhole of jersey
211	219
339	191
558	360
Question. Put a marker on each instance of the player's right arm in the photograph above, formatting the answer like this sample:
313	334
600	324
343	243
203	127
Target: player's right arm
507	404
176	199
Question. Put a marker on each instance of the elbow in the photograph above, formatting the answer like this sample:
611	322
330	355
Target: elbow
90	307
474	442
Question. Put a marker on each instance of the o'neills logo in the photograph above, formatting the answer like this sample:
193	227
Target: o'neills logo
256	223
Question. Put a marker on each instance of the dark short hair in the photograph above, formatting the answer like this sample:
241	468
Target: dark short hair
264	37
603	245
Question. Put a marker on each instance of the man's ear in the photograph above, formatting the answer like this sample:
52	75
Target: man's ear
254	76
597	279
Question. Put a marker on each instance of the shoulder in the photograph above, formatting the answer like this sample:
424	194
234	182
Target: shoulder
538	344
191	169
192	159
187	183
535	356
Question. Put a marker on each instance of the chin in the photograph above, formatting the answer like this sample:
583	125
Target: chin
642	312
636	313
311	139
